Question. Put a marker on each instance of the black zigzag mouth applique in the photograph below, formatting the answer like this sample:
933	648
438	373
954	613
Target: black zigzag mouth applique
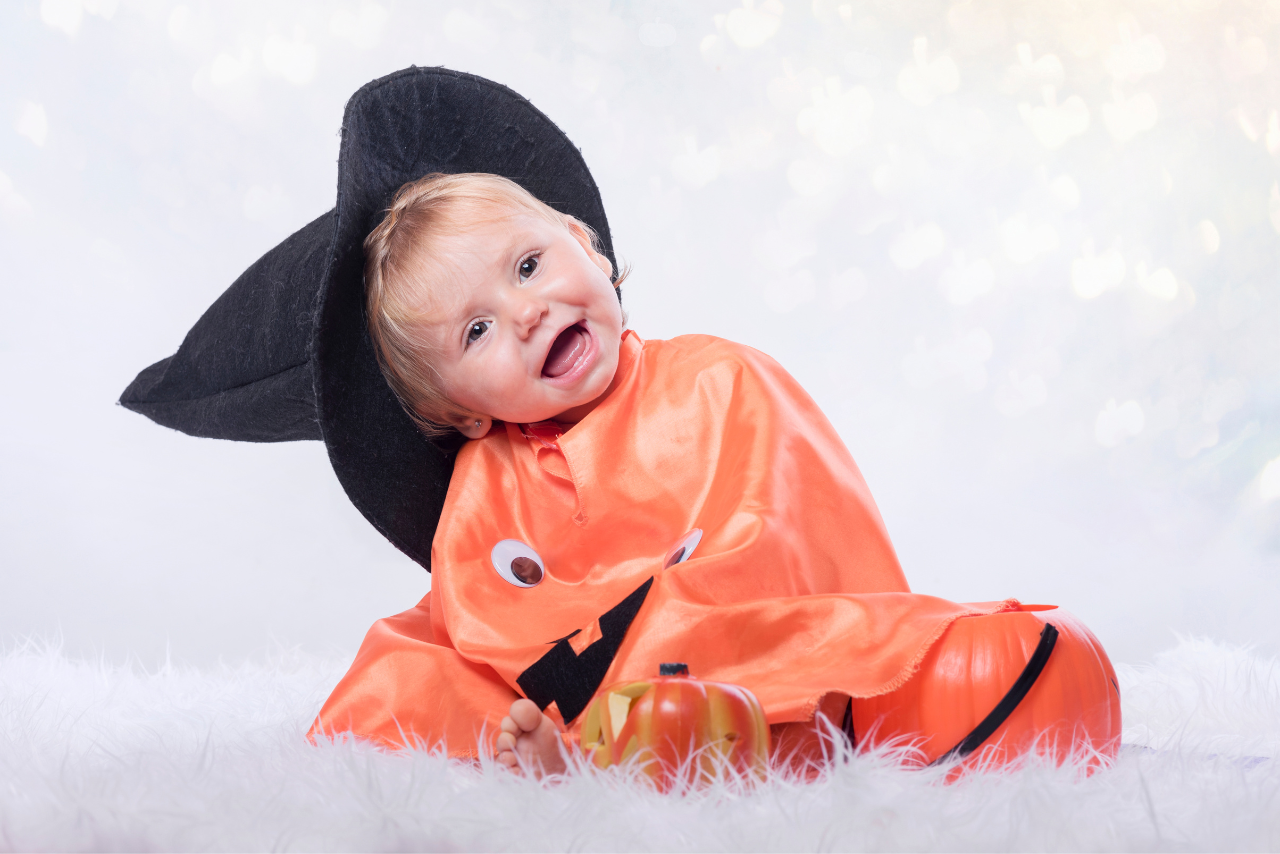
570	679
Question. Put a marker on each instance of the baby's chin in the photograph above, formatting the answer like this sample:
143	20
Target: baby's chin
572	413
593	388
571	408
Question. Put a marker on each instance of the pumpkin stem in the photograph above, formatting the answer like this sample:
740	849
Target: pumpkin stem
673	668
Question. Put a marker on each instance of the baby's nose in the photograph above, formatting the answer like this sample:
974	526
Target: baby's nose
528	311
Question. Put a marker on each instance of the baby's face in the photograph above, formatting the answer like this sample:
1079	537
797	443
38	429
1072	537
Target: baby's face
525	321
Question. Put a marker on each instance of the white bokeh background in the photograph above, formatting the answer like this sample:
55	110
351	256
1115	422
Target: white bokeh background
1026	255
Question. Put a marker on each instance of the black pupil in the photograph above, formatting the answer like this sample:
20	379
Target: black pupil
477	329
527	570
529	265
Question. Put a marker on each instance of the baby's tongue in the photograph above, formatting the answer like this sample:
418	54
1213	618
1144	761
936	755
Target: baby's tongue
565	351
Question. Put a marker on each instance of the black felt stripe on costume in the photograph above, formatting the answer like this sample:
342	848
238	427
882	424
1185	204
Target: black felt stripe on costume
570	680
1030	673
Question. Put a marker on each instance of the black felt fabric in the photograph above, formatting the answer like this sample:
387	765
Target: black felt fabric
284	354
570	680
244	370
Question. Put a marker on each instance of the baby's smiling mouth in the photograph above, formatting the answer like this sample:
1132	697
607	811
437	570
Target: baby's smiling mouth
565	352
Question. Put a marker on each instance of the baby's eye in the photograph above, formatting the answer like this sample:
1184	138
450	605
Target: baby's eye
527	267
479	328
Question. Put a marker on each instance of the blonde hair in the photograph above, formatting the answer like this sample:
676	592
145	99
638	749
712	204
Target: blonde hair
398	260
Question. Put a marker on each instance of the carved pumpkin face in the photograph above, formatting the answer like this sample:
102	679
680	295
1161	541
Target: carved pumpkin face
677	724
1074	703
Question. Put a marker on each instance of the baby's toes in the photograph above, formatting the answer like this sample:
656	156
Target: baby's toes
529	739
542	747
525	714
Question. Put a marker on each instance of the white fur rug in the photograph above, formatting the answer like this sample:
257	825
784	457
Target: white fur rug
100	758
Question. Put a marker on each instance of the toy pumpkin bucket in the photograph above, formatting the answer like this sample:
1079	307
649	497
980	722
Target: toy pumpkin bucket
679	727
1000	686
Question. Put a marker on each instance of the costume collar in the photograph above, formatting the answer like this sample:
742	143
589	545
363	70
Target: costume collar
628	350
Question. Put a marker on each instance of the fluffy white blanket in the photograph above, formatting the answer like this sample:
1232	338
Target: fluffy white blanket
98	758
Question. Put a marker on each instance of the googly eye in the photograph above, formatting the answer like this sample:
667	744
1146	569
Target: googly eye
517	563
683	549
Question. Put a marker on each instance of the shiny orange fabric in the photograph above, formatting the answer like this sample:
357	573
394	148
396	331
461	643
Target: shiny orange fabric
794	591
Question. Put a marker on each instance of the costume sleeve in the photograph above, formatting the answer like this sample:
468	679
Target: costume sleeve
785	508
406	690
794	590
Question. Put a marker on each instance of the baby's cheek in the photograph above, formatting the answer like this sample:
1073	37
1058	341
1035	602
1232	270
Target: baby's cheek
503	382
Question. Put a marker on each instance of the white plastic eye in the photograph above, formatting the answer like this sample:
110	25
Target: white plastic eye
683	549
517	563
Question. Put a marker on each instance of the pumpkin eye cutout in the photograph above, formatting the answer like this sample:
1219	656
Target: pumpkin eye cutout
683	549
517	563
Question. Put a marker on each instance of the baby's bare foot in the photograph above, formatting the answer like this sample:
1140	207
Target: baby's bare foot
529	739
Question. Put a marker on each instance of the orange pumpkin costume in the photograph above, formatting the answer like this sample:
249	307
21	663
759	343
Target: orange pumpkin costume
793	592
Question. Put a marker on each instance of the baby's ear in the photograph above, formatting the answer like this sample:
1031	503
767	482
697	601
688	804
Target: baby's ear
584	239
471	426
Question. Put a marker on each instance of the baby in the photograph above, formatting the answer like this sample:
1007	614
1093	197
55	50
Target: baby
487	305
622	502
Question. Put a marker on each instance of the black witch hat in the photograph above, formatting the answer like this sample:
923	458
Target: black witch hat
284	354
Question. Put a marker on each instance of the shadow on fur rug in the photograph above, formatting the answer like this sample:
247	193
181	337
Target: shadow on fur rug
101	758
